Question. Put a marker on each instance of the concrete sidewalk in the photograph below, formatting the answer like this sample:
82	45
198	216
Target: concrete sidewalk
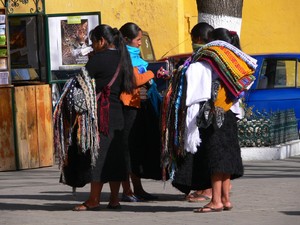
269	193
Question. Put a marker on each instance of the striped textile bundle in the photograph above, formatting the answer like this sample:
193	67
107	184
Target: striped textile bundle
234	67
251	62
173	116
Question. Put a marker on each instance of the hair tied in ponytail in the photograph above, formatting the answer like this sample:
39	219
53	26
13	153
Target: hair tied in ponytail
115	31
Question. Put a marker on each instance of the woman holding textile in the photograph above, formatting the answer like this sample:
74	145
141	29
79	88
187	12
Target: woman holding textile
185	177
143	159
216	77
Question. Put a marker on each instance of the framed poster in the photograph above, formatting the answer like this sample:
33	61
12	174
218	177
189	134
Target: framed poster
69	44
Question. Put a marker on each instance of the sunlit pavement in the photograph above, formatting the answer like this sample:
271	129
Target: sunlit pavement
269	193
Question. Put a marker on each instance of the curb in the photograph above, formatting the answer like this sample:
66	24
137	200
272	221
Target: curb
277	152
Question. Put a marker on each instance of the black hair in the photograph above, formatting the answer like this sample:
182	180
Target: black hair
114	36
130	31
201	31
225	35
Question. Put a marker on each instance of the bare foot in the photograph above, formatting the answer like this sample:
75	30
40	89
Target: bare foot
194	194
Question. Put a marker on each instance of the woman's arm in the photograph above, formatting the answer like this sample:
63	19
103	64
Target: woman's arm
142	78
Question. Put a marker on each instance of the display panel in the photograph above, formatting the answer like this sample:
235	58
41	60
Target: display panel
27	48
69	43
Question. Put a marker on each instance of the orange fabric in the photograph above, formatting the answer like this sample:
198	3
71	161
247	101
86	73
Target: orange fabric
222	100
140	79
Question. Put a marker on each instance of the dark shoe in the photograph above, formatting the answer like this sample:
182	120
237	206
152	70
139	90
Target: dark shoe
130	198
109	206
85	207
147	197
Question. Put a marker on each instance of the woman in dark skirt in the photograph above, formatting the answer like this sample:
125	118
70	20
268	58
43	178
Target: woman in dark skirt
220	154
141	137
220	151
110	58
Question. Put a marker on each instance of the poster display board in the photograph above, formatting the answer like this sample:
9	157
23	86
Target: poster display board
69	44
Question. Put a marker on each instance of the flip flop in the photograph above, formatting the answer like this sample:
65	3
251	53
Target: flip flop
199	198
85	207
192	195
210	209
130	198
227	208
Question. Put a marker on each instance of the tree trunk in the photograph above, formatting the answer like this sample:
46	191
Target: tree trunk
221	13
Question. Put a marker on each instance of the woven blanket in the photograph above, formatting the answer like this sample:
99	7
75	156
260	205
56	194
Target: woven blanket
251	62
234	67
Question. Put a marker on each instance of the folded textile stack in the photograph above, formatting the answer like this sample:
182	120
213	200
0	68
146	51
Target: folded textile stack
234	67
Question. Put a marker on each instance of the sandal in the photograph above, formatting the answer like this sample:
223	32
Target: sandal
85	207
130	198
207	209
198	198
191	195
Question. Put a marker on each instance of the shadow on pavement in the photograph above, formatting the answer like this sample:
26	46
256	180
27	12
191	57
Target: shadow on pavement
69	207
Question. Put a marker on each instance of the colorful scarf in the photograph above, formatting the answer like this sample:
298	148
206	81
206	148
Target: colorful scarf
173	114
136	60
196	46
152	94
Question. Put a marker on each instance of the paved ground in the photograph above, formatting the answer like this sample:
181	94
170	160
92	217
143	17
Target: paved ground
269	193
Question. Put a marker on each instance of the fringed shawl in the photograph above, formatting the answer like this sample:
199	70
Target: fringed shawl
66	118
173	121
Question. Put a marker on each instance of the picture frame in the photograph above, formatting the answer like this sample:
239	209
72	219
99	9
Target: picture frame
68	42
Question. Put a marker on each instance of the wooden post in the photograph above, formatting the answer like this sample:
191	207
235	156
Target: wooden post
7	147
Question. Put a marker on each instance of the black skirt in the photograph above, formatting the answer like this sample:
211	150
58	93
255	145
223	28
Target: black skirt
219	152
145	144
111	162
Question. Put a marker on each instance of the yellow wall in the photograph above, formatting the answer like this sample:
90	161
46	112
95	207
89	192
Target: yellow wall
267	25
164	20
270	26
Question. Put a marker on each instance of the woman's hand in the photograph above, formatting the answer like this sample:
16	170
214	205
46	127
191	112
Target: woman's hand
162	73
